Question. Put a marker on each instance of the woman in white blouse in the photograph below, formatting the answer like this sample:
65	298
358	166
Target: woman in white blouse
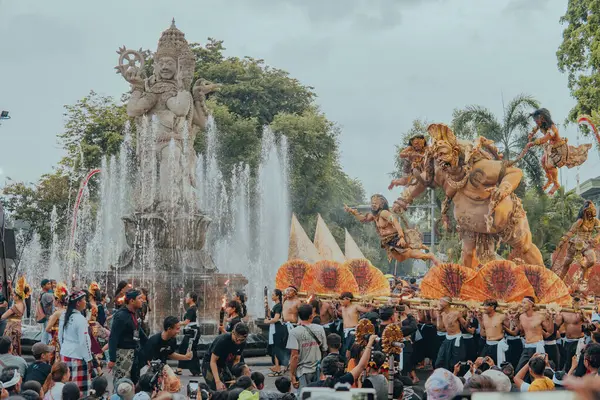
75	345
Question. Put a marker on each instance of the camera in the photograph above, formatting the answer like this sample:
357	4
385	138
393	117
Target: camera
156	367
192	389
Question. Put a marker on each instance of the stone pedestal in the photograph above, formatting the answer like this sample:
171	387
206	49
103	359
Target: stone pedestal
166	256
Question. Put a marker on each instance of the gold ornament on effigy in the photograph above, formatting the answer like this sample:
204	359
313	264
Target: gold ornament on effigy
364	329
391	336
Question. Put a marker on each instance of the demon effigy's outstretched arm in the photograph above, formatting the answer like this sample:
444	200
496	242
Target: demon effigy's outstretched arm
409	194
362	218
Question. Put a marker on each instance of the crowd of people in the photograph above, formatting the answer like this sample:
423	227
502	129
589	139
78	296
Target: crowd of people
464	350
82	336
313	344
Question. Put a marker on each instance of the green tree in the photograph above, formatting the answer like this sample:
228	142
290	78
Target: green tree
550	217
579	54
250	88
509	133
33	204
94	128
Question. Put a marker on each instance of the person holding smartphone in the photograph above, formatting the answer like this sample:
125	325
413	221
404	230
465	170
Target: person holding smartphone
536	366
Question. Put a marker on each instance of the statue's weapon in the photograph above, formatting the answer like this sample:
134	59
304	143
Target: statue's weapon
130	60
587	120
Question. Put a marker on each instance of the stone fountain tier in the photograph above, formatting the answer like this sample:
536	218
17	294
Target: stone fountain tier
168	242
168	290
166	230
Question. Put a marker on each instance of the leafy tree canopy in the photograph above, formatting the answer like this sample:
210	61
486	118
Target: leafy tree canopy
579	54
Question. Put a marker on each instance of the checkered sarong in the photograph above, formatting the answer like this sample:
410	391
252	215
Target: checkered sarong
80	374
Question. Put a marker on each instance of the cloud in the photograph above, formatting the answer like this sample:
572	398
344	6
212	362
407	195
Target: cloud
519	7
35	36
362	14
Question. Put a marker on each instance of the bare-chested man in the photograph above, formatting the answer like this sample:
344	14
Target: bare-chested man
390	232
290	305
327	312
491	325
350	316
574	324
452	349
532	325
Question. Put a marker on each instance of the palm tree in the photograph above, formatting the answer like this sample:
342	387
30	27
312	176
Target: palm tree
510	134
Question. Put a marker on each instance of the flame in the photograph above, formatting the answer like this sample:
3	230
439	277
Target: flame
224	302
310	298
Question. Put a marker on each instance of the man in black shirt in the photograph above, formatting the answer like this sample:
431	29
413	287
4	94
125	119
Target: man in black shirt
126	338
224	352
190	332
40	368
162	346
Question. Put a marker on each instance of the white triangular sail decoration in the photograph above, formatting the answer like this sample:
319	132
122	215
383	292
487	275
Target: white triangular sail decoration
351	248
326	244
300	247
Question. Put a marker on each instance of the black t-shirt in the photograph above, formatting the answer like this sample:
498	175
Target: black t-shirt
277	309
158	349
346	378
231	324
191	314
226	349
38	371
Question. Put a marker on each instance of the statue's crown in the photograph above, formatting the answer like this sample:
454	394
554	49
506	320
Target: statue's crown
441	132
172	43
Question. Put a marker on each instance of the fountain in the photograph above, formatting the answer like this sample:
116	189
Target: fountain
167	219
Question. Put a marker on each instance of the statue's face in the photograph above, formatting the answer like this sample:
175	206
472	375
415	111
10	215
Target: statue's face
418	144
445	157
376	204
167	68
590	212
539	120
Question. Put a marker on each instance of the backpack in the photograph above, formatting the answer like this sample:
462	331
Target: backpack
40	316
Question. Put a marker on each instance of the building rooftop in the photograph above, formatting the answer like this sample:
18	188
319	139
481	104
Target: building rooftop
590	188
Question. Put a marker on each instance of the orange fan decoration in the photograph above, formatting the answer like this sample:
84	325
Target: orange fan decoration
445	280
328	277
548	287
499	279
370	280
291	273
594	279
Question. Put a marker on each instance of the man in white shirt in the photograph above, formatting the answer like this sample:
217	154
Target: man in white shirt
75	344
307	342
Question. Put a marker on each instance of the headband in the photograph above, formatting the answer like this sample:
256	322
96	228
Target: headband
132	294
76	296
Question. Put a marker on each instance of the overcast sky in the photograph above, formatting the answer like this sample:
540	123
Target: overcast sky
375	64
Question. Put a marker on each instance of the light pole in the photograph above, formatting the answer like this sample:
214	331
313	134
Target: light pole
3	251
4	116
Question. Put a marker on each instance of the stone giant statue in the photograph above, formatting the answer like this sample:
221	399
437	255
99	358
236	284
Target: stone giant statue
166	156
166	228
